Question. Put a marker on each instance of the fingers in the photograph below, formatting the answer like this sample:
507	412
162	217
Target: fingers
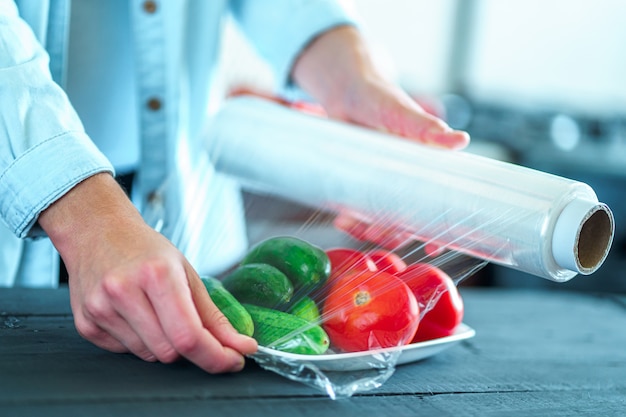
340	72
443	137
99	337
434	132
119	318
177	315
385	235
133	321
399	114
151	313
213	319
381	105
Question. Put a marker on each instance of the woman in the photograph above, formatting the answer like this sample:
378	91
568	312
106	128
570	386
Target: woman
141	76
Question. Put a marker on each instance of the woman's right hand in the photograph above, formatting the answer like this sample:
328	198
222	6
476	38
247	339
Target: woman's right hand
131	290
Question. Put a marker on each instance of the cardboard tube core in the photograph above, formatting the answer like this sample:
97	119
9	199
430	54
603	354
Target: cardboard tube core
535	222
582	236
594	239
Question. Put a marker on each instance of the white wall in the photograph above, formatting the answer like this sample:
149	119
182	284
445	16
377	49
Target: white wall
561	52
411	37
240	63
414	37
567	53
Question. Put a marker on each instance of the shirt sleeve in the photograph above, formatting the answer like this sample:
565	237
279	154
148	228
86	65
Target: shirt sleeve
281	29
44	150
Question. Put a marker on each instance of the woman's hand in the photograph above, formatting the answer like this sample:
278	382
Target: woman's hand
339	72
131	290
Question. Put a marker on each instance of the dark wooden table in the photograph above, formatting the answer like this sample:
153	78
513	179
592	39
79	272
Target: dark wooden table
536	352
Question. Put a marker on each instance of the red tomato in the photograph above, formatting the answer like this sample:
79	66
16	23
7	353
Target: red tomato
430	284
343	260
368	310
387	261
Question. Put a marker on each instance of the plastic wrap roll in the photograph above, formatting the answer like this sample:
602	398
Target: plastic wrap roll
528	220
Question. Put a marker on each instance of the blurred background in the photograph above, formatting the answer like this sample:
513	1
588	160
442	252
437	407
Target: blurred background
539	83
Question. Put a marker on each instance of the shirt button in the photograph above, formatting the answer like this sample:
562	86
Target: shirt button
154	197
154	104
149	6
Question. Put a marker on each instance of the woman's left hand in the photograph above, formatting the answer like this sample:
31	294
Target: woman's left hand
339	72
337	69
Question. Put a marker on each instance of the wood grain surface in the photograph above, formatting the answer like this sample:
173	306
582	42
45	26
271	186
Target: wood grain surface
539	353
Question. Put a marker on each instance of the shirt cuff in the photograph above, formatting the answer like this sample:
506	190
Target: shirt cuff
42	175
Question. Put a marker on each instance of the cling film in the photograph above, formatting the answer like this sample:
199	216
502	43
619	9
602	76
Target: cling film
356	242
366	305
545	225
298	311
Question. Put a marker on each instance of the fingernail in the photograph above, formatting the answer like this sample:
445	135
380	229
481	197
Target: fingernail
240	365
453	139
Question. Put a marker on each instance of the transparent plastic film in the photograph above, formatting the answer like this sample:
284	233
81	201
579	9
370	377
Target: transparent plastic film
357	270
542	224
304	281
362	272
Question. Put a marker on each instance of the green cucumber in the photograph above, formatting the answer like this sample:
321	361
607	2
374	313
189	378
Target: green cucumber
286	332
259	284
305	308
306	265
236	314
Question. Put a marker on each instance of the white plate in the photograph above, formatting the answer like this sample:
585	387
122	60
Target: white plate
373	358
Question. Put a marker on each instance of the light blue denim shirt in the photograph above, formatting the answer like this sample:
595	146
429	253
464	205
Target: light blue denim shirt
45	151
